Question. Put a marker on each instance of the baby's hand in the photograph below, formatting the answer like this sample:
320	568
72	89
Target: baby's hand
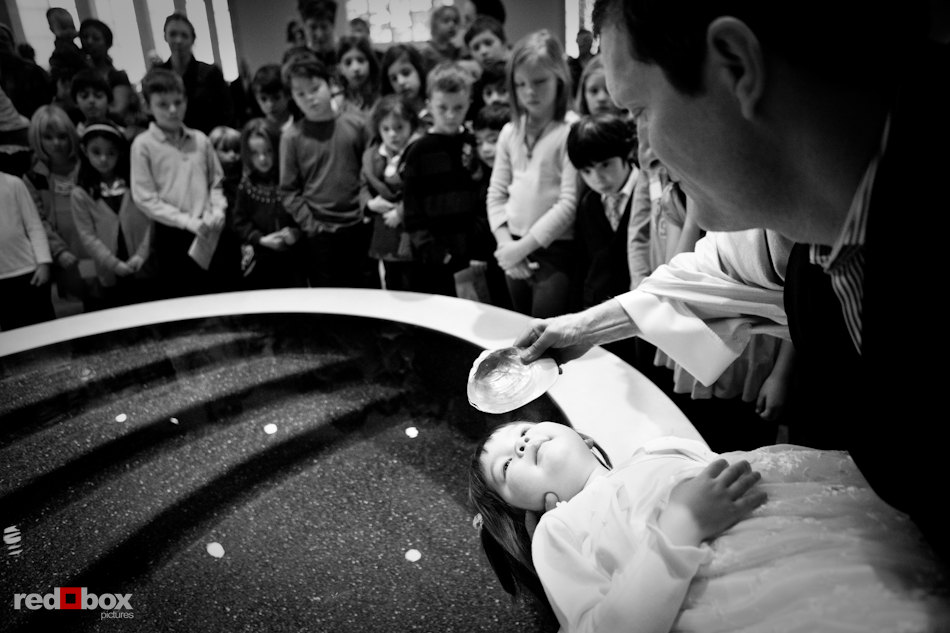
710	503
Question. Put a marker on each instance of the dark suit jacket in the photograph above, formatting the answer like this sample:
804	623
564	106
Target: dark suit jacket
884	405
209	97
603	251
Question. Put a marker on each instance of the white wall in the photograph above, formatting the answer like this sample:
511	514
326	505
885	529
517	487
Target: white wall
260	25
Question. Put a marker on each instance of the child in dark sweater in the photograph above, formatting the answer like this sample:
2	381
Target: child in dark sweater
442	179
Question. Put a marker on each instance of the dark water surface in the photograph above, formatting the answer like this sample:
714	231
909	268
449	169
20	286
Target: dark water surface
130	461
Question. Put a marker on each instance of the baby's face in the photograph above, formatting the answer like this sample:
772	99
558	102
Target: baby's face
524	461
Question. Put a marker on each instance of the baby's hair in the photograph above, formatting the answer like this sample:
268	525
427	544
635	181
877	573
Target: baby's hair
88	178
448	77
393	105
99	25
359	22
594	139
161	81
545	50
225	138
51	118
259	127
180	17
305	67
89	79
407	53
267	81
594	66
483	23
502	528
492	117
369	90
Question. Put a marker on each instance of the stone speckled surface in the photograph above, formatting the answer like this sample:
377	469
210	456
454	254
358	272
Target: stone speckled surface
314	519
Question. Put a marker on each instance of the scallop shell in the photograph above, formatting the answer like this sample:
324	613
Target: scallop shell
499	382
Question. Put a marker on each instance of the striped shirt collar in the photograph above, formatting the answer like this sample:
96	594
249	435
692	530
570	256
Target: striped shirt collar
854	231
844	261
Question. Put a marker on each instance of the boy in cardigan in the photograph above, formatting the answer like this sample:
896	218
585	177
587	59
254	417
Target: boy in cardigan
442	179
320	162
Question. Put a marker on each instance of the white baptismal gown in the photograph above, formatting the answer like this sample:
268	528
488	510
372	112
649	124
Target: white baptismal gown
824	553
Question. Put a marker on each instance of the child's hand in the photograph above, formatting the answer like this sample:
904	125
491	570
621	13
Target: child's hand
213	221
40	275
135	263
710	503
274	241
509	255
771	398
393	218
198	227
380	204
123	270
290	235
521	270
67	259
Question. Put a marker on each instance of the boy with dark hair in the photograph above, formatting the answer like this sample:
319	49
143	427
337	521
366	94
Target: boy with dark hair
600	148
320	162
443	193
176	181
91	93
487	125
486	41
319	20
492	86
273	97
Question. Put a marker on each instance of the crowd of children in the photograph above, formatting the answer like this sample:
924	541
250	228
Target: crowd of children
462	166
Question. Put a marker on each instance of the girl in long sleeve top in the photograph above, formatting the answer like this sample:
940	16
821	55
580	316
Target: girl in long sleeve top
532	194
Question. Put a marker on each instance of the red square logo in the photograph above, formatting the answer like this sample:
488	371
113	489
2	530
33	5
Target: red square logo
70	597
